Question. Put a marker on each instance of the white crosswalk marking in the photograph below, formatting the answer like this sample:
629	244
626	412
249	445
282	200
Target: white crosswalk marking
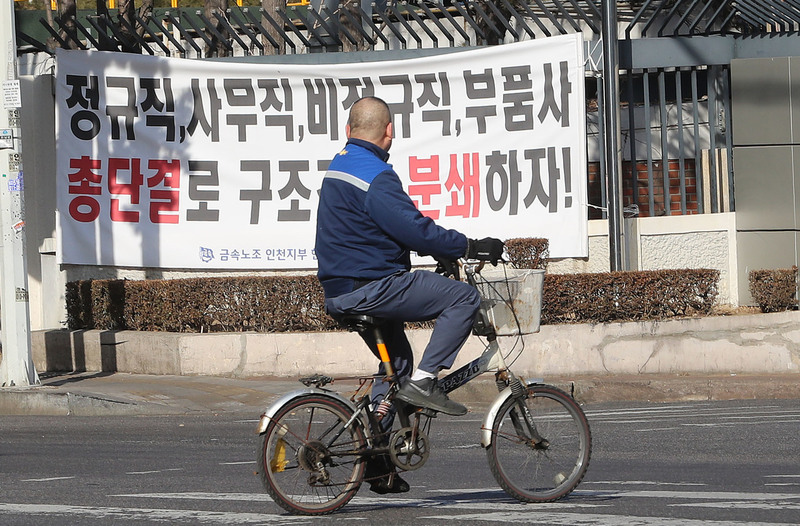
483	505
640	483
574	519
704	416
248	497
744	505
785	480
47	479
151	514
703	495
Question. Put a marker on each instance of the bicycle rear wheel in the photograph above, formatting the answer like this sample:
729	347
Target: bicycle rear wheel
309	464
544	461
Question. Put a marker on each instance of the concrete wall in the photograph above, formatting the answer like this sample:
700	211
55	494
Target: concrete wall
759	343
669	242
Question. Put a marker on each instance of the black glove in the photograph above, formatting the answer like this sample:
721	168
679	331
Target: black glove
486	249
447	267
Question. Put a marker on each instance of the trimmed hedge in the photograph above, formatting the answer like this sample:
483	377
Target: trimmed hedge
526	252
233	304
774	290
628	296
295	303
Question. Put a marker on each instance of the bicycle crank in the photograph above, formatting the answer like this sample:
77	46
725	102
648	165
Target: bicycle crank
408	448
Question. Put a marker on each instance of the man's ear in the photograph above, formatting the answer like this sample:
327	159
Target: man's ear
347	130
389	130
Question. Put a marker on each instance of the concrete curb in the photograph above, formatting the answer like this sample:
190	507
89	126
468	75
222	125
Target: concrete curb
747	344
87	394
129	373
43	403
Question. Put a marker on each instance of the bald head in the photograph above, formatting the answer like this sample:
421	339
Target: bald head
371	120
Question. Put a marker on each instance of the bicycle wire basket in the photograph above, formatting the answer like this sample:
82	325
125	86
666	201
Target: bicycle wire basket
513	299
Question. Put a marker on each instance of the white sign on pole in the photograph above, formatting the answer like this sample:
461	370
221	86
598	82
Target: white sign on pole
194	164
12	95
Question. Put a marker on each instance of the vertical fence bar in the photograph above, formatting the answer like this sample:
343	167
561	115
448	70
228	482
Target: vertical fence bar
712	137
632	137
648	136
616	241
728	135
664	125
601	132
681	152
698	154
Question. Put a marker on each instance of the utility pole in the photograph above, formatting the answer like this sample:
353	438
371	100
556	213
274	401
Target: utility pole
16	368
611	128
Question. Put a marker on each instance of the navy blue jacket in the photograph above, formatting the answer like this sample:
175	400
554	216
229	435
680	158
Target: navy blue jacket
367	224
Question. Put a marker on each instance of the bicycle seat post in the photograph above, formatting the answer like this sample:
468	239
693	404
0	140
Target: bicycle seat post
384	353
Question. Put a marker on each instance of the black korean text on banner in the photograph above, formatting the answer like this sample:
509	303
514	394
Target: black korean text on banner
224	161
499	174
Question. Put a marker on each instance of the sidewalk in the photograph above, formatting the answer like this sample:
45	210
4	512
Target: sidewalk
99	394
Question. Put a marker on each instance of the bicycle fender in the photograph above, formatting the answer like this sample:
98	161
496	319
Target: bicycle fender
488	421
288	397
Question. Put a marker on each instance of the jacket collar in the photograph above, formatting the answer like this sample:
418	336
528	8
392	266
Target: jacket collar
377	150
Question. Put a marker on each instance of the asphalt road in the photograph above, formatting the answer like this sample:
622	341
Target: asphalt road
653	464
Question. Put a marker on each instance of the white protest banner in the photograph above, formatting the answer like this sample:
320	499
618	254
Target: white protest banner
176	163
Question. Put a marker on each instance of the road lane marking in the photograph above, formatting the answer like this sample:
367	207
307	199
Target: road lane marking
48	479
152	471
151	514
751	423
486	504
743	505
496	497
652	429
199	495
576	519
449	499
703	495
782	477
641	483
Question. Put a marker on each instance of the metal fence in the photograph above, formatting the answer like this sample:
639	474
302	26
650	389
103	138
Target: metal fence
195	33
676	142
676	120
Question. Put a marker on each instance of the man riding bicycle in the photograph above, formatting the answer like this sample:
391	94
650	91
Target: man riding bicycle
367	227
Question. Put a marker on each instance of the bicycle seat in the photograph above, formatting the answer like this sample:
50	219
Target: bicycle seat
358	322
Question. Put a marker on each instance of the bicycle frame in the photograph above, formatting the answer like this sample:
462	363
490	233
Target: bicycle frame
521	446
491	359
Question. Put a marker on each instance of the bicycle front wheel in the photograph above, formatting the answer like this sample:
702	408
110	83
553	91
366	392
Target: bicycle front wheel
540	445
309	463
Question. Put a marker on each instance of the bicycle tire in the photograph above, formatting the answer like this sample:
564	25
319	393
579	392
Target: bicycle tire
303	474
542	473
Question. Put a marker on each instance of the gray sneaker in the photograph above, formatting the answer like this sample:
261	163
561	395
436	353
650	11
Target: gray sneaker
427	393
